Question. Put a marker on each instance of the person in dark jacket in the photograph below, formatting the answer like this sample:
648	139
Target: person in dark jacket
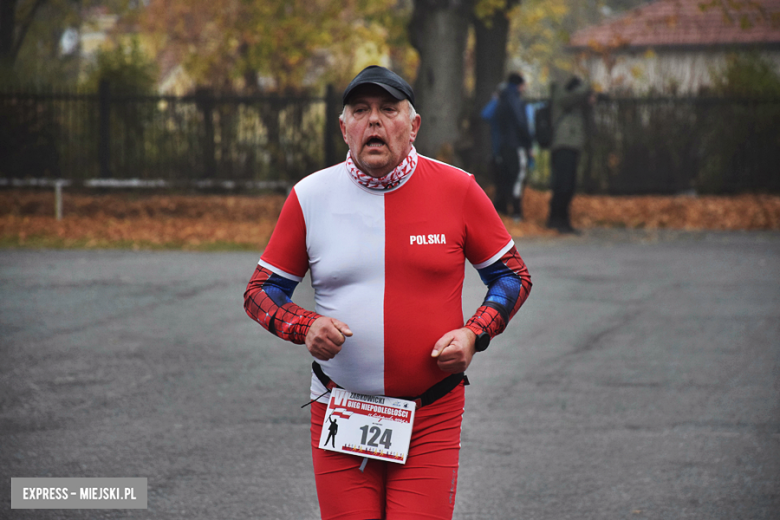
514	147
570	106
489	114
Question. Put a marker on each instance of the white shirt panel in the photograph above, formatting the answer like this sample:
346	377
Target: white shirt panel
345	243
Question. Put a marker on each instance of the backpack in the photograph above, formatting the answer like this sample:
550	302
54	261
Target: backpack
544	126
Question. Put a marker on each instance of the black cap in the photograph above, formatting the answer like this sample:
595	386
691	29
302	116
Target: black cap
382	77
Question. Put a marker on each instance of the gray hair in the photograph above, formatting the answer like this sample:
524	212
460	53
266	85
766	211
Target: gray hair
412	111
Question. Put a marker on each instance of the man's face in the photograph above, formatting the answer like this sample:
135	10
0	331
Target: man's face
378	130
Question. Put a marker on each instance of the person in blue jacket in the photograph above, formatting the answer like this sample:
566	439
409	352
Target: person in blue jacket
511	141
488	114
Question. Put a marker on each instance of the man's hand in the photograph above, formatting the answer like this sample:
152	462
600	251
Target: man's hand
454	350
325	337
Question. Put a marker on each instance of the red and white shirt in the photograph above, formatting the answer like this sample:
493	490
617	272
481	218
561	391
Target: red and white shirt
388	263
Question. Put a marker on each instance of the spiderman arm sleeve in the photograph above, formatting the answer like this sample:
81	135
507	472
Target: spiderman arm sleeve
267	301
508	284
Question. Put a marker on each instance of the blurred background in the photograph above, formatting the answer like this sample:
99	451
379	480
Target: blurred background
642	378
243	96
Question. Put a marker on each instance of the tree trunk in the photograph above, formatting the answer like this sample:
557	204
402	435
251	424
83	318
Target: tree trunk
438	31
13	31
7	28
490	60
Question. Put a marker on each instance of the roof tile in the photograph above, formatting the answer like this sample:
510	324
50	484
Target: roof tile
687	23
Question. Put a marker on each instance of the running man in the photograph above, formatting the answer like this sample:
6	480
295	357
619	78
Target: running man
385	235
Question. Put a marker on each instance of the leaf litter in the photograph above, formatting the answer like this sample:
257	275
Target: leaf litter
245	222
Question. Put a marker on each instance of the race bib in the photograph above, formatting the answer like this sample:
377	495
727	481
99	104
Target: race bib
371	426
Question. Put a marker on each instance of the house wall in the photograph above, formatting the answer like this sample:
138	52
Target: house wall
94	32
176	83
668	71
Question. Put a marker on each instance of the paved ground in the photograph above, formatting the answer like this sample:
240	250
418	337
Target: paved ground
640	381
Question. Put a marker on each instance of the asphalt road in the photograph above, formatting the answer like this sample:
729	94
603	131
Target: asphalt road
641	380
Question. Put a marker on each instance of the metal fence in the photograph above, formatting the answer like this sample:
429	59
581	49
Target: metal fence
202	139
667	145
673	145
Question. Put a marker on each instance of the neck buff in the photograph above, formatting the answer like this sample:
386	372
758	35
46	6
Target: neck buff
389	181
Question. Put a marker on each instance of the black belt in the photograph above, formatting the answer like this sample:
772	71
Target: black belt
430	396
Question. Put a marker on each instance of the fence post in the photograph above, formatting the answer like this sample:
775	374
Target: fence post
58	199
104	128
205	101
331	126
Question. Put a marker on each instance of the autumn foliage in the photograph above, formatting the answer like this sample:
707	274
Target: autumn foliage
287	44
213	222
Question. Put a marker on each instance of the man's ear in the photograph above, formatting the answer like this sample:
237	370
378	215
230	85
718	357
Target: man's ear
415	127
343	130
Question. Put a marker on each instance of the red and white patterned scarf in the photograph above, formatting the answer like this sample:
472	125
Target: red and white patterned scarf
389	181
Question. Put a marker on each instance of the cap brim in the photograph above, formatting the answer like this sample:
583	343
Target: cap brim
397	94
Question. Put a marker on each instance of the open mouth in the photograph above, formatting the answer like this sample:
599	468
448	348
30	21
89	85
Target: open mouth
375	142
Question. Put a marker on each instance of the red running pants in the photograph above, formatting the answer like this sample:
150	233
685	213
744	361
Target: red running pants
423	488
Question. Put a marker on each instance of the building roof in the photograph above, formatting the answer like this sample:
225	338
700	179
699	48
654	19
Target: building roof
687	23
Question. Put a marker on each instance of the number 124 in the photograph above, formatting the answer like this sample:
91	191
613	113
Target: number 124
378	436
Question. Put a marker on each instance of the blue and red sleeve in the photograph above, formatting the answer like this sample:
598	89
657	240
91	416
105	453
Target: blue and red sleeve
267	301
509	285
